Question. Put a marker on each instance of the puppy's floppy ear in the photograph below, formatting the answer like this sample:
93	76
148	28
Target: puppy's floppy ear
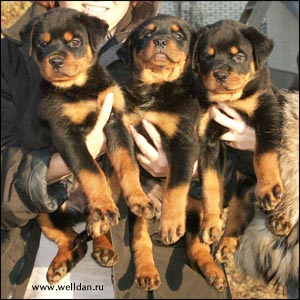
125	53
97	30
26	34
261	44
195	45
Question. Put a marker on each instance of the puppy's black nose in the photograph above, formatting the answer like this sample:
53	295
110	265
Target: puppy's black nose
221	75
161	43
56	62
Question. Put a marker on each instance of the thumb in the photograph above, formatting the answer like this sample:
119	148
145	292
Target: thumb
106	109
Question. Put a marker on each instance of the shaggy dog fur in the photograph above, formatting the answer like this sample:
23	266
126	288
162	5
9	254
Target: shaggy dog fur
262	254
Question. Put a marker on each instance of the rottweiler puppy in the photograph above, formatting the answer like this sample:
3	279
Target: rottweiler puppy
230	59
160	81
65	44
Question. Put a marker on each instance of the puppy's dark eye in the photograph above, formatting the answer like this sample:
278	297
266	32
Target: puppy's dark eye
42	44
75	43
240	57
206	57
147	34
178	35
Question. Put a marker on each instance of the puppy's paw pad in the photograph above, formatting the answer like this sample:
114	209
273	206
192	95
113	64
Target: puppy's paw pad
269	196
148	282
226	249
279	225
99	221
171	236
211	233
105	257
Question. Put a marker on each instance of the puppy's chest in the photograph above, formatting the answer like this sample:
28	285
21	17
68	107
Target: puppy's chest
165	114
73	107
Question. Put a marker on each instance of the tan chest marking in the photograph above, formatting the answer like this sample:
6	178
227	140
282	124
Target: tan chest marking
77	112
167	122
203	124
248	105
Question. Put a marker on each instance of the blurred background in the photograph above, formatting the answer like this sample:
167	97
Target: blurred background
280	21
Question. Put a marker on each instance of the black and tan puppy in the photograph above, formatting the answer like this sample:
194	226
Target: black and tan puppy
231	61
65	44
159	90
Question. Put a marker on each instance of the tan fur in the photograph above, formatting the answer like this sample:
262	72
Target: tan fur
68	36
78	111
211	51
199	254
167	122
267	171
74	68
203	124
98	194
61	238
247	105
174	204
119	102
46	37
129	178
168	75
213	202
147	276
234	50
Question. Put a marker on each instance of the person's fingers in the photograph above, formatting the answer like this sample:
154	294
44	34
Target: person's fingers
143	160
153	133
222	119
106	109
147	149
236	125
230	111
228	136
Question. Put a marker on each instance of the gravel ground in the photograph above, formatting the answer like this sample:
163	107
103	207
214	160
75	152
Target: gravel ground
244	287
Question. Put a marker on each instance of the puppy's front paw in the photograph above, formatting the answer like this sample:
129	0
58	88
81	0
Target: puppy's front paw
215	277
99	221
148	278
171	229
141	206
105	257
226	249
279	225
211	229
269	195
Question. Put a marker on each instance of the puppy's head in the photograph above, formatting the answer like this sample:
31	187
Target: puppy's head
227	55
64	43
158	50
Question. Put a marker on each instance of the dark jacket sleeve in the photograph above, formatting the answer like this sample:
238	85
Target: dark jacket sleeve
24	190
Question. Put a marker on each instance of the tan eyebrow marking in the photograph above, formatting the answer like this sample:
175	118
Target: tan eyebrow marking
175	27
68	36
151	27
47	37
211	51
234	50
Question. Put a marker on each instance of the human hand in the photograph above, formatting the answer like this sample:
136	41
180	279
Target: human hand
152	159
96	140
48	4
240	135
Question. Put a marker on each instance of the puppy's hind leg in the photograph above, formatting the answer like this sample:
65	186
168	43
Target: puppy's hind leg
68	255
147	276
198	253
